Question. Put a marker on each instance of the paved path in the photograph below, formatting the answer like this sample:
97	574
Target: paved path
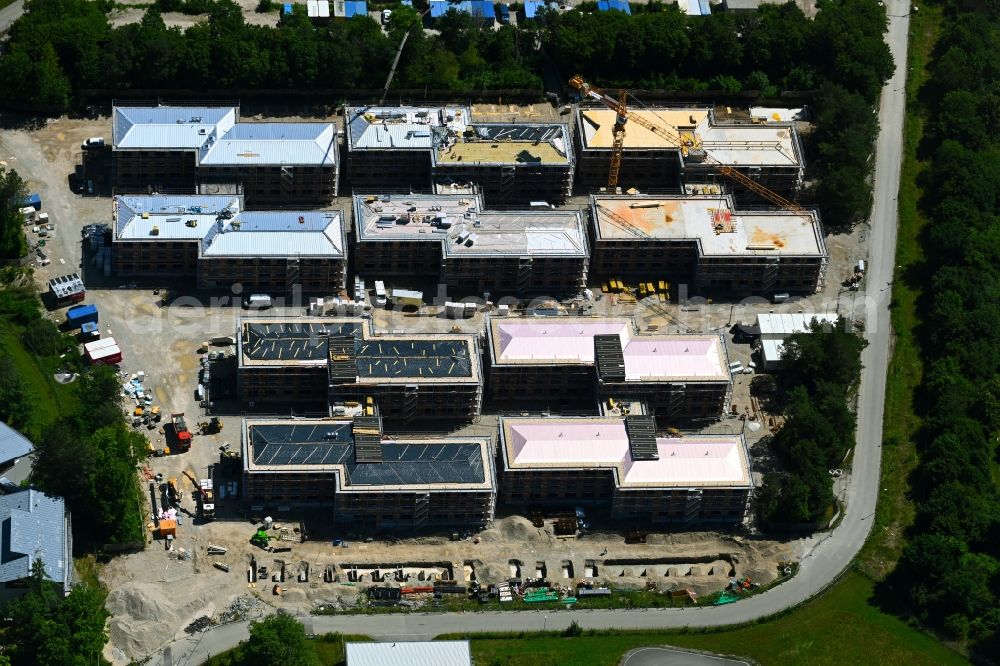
823	559
658	656
9	14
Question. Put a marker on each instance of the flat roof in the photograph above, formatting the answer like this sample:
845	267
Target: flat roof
225	229
570	340
769	144
219	139
410	653
464	229
280	342
787	323
599	442
378	358
328	446
402	127
711	220
506	143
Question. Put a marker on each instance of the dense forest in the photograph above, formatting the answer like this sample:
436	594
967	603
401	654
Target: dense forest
949	575
819	370
61	49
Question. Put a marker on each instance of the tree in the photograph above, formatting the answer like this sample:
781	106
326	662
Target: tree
278	640
15	399
12	191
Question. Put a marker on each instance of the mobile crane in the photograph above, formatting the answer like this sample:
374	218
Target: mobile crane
688	143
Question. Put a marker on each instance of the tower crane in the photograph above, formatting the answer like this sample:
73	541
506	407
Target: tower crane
688	144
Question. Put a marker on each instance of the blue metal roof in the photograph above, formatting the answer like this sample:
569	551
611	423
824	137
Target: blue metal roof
33	526
477	8
618	5
13	445
532	7
355	8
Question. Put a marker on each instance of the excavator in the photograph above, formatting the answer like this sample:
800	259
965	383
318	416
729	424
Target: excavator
688	143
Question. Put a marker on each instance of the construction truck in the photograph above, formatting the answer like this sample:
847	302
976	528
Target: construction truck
206	499
181	433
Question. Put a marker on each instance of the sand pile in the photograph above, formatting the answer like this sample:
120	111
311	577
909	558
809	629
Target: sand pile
144	617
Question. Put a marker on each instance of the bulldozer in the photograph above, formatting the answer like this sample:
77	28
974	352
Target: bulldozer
210	427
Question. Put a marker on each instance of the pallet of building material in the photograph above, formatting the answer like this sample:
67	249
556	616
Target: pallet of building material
217	550
221	566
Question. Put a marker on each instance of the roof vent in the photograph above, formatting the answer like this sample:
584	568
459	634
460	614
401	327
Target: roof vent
196	119
202	131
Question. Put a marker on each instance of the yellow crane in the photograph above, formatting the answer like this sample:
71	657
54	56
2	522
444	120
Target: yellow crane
687	143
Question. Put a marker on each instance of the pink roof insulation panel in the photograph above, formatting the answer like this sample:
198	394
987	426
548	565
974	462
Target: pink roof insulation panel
696	460
550	339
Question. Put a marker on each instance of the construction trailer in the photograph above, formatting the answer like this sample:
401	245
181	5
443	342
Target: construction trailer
67	289
102	352
78	315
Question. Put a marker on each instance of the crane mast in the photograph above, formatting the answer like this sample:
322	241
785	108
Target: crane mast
687	145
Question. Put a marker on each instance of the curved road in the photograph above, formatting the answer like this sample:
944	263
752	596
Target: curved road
9	14
823	559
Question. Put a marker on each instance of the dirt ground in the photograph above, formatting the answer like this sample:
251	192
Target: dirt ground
156	593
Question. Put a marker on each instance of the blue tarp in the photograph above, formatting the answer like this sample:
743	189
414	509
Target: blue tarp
532	7
287	8
619	5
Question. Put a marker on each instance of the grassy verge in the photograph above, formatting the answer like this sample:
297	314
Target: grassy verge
51	399
329	651
838	627
899	455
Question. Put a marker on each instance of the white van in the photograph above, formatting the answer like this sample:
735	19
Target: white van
735	368
257	301
93	142
380	297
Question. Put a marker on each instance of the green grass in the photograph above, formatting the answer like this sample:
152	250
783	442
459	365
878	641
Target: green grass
840	627
895	511
50	398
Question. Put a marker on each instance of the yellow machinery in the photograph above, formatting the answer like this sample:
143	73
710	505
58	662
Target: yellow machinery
685	142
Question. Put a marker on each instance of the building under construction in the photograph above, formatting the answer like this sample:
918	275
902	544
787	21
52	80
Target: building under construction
366	478
440	149
173	148
389	148
567	362
769	153
211	239
315	362
621	465
704	241
473	251
510	164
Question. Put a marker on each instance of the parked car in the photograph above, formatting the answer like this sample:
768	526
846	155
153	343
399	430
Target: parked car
386	15
93	142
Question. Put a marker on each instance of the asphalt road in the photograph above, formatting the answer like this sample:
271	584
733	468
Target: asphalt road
9	14
657	656
823	559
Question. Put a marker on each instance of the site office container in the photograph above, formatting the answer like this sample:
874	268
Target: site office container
103	352
78	315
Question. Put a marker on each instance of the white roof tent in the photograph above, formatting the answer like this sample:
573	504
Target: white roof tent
774	328
219	139
410	653
464	229
224	229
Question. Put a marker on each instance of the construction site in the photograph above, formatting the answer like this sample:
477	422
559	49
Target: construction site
603	437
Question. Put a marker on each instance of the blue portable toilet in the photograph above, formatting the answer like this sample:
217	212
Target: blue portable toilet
286	10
